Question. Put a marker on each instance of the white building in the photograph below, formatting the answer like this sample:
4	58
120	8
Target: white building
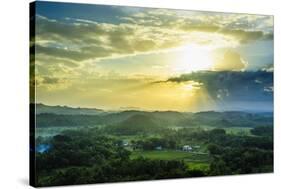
158	148
187	148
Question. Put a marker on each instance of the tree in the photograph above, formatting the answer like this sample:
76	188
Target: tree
214	149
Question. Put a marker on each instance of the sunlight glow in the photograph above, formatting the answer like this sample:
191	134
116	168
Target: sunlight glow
194	58
191	86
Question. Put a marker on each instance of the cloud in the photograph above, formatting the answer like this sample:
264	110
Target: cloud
50	80
70	47
145	31
230	61
84	40
244	28
232	85
52	83
61	53
245	36
241	34
268	68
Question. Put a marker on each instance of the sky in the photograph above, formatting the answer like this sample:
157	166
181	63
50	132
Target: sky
118	57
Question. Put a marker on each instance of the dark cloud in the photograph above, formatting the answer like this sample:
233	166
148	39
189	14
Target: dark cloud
49	80
232	86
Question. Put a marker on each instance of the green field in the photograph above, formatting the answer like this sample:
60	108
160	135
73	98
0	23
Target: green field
171	155
198	166
246	131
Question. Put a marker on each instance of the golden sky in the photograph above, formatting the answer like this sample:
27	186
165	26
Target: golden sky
115	58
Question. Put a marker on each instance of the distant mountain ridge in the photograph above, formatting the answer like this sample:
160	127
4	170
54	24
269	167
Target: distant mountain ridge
53	116
66	110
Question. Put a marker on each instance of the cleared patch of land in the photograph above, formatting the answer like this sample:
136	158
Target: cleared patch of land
171	155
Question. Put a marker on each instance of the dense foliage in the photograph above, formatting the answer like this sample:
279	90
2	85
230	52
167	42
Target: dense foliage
79	146
85	156
95	156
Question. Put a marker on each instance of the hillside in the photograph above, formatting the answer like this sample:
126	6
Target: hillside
54	116
232	119
135	124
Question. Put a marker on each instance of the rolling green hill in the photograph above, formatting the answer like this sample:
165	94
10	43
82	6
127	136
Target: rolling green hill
135	124
55	116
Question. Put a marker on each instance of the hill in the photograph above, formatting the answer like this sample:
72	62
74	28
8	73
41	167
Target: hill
65	110
54	116
230	119
135	124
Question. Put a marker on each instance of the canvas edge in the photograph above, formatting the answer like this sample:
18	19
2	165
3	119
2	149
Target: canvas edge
32	168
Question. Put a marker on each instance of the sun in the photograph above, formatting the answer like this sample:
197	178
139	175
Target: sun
194	58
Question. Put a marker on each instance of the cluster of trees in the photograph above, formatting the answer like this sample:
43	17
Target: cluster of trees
220	137
240	154
262	131
93	156
153	143
227	161
118	170
86	156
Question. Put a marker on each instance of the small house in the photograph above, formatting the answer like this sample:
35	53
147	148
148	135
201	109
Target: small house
187	148
158	148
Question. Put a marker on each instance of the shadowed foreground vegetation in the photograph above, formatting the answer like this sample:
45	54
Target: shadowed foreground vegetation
97	155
